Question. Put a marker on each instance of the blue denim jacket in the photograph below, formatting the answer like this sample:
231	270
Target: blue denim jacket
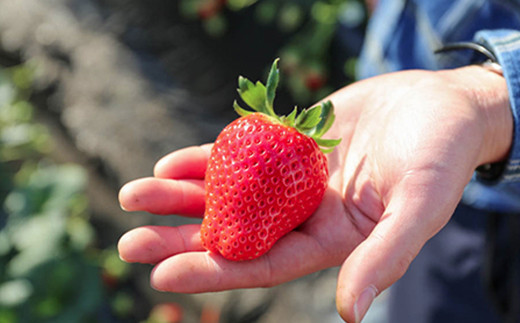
403	34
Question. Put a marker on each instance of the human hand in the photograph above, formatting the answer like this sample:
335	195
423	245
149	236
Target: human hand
411	142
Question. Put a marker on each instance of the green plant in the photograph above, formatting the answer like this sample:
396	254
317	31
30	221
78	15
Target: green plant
50	270
311	26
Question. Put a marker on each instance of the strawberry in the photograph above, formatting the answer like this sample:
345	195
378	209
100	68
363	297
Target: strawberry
266	173
315	80
166	313
210	8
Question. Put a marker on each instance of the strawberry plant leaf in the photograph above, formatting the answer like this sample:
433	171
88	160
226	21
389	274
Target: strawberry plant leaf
327	119
327	150
272	84
300	118
253	94
327	143
241	111
292	116
313	122
309	118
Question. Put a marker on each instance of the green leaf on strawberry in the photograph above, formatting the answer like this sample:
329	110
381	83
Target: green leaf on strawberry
313	122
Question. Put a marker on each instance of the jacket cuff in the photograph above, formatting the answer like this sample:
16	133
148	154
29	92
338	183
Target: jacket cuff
505	45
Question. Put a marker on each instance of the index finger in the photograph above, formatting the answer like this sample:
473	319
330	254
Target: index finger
186	163
164	196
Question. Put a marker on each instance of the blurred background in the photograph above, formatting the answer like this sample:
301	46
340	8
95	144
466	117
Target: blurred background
93	93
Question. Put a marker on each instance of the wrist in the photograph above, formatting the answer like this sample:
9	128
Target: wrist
486	90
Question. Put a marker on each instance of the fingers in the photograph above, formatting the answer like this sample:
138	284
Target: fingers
152	244
177	188
196	272
164	196
376	264
409	221
297	254
187	163
191	269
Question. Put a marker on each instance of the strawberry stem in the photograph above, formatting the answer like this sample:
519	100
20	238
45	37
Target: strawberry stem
313	122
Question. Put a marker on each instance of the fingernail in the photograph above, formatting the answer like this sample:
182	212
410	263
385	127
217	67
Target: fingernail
363	302
121	258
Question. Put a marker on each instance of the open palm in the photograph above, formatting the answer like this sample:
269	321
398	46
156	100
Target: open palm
411	142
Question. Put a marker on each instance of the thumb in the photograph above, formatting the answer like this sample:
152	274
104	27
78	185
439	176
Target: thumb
385	255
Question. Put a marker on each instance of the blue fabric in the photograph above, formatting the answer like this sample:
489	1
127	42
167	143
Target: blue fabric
445	282
506	46
403	34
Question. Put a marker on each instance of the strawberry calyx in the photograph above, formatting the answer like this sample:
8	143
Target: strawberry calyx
313	122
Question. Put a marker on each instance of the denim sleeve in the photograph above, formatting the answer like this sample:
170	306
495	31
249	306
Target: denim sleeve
505	44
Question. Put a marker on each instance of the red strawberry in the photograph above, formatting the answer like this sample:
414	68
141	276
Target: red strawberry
166	313
315	80
266	174
210	8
